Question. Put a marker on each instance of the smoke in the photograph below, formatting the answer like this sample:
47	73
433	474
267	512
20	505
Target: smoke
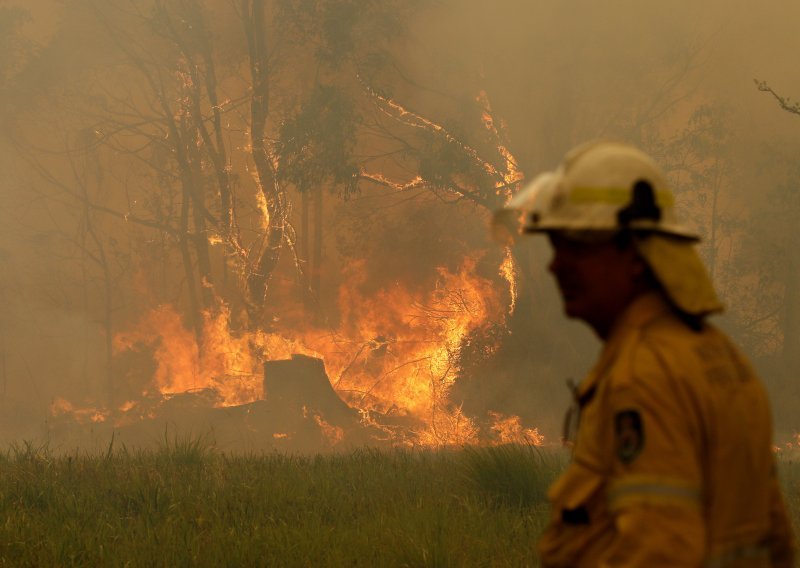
675	78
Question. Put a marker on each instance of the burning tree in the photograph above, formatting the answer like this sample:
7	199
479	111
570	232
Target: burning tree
233	182
194	130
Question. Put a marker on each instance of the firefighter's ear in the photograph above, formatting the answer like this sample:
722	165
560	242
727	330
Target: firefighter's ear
640	267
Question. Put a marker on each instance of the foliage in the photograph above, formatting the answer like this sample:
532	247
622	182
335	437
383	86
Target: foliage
344	32
316	143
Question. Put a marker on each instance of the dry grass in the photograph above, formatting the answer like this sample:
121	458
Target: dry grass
188	505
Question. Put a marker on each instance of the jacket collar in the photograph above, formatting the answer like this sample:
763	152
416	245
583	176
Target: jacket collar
637	315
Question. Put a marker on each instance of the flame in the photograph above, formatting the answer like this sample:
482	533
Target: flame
511	175
395	352
415	183
261	205
405	115
508	429
86	415
508	271
403	347
450	427
228	363
333	434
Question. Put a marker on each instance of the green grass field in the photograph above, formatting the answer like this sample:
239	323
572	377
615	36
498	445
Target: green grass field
188	505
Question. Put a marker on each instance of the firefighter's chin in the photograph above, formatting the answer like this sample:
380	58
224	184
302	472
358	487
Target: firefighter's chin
577	305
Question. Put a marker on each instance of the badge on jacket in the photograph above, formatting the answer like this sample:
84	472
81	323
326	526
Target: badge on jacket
629	433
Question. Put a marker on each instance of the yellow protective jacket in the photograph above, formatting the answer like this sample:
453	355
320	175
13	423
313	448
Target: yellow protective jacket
672	461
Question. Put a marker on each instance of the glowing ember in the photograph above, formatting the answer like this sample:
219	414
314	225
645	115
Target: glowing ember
60	407
512	174
333	434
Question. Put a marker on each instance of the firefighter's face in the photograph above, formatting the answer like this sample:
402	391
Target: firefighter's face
597	280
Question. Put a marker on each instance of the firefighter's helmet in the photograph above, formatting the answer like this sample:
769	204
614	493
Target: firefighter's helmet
603	188
608	186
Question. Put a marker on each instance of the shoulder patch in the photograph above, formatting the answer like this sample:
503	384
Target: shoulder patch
628	434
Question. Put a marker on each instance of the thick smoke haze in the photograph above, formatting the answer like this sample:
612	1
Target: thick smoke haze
392	131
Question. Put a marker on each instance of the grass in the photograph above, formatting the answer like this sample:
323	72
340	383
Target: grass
789	473
512	474
188	505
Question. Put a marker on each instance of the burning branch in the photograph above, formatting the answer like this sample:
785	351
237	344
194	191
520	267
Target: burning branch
398	112
504	179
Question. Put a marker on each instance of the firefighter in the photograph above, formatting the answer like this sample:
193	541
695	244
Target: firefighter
672	462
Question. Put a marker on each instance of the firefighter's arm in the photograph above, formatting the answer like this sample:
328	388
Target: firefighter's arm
781	537
657	534
654	490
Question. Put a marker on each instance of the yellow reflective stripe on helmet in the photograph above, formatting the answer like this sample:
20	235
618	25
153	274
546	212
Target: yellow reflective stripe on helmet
613	196
653	490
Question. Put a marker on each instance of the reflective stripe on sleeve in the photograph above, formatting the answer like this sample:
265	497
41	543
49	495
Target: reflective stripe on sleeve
653	490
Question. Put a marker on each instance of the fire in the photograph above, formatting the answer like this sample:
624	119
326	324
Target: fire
508	271
511	175
60	407
508	429
405	115
227	363
395	352
404	346
333	434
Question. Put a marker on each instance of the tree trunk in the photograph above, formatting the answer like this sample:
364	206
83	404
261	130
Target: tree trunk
101	258
316	267
188	269
177	136
199	213
305	289
258	280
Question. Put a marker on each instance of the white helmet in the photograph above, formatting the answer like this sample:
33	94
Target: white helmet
608	186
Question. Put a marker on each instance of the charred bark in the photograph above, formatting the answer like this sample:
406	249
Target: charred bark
200	239
305	258
273	196
316	266
188	269
204	82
